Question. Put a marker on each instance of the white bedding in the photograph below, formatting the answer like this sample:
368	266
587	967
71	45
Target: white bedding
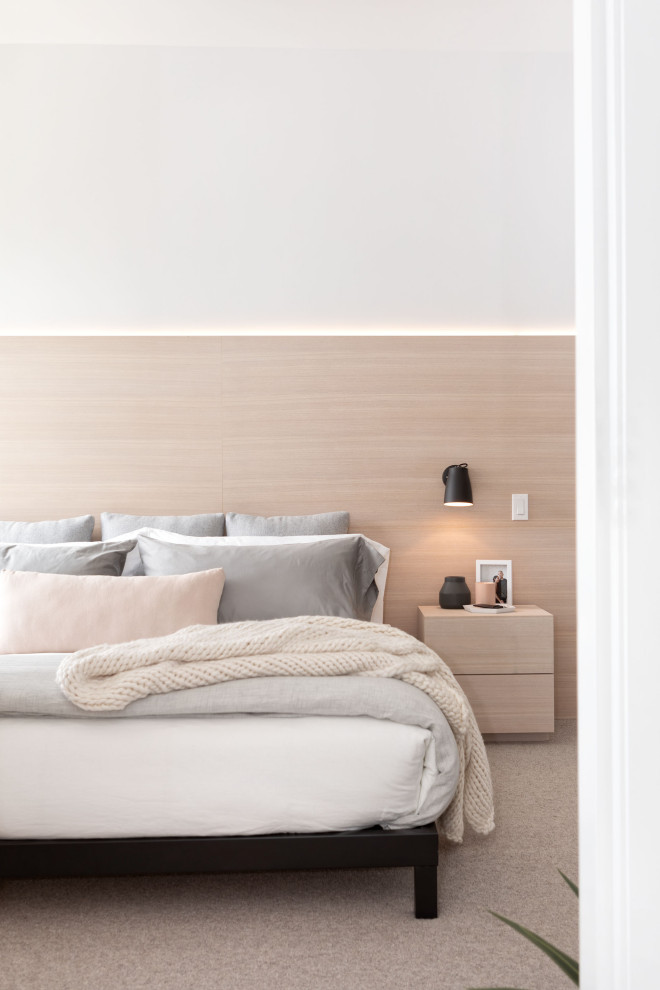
227	775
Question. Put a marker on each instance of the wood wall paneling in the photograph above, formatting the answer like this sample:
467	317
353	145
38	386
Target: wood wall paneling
303	424
122	424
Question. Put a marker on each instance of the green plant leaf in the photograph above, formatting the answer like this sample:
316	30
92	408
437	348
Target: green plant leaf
574	887
565	963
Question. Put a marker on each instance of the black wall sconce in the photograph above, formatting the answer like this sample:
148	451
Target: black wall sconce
458	490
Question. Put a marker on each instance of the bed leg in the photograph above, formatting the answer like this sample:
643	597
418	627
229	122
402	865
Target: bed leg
426	892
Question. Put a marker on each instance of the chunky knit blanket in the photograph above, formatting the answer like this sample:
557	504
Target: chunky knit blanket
110	677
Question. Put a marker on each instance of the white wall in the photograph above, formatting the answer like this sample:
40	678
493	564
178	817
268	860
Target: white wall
393	165
641	371
618	401
465	25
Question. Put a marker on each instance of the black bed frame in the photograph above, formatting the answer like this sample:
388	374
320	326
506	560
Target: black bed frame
372	847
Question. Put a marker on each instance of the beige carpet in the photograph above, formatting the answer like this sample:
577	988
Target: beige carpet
321	930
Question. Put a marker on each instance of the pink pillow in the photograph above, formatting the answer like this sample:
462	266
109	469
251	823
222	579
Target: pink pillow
61	613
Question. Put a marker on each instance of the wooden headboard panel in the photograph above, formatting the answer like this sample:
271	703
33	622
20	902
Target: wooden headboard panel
165	425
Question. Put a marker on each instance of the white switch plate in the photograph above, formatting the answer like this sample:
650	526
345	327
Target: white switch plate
519	508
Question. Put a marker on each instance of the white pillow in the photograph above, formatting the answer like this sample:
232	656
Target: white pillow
252	541
133	565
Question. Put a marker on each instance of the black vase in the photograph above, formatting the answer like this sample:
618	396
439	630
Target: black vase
454	593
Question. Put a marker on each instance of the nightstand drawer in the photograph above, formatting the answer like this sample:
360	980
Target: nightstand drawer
519	643
509	703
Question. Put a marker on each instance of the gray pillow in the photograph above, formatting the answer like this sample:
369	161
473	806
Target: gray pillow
66	558
321	524
333	577
118	523
76	530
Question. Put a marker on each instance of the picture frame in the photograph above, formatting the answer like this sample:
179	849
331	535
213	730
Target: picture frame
487	570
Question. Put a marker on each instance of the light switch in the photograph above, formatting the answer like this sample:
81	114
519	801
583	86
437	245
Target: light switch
519	508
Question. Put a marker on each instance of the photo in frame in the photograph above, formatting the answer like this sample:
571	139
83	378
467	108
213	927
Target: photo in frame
500	572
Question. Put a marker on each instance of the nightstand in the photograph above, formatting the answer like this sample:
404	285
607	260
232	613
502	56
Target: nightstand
504	663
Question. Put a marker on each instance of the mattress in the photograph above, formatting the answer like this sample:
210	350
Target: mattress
215	775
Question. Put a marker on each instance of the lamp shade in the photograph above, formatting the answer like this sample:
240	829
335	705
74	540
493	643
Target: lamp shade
458	490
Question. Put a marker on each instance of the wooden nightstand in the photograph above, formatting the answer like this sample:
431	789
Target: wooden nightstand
504	663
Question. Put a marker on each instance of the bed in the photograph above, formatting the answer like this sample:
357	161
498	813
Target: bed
259	773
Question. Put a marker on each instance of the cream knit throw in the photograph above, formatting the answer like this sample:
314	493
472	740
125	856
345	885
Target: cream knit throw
107	678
